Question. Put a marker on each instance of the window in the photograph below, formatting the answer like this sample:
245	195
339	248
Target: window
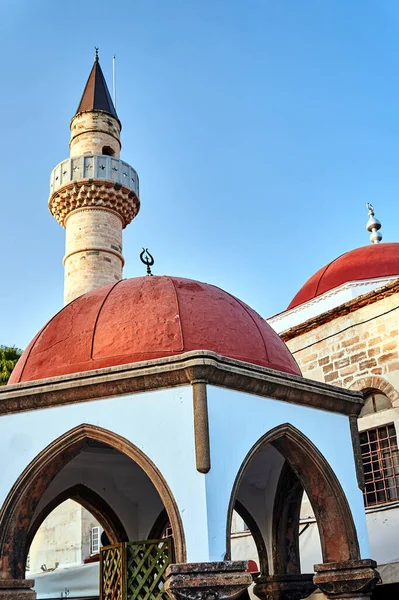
167	532
380	455
375	402
107	150
94	540
28	562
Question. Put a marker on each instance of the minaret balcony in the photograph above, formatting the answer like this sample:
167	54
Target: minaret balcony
94	181
94	166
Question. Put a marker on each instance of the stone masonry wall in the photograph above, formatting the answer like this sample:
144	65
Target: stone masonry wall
58	539
91	131
93	251
358	346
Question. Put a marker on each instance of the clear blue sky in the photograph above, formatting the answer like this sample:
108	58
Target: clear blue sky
259	130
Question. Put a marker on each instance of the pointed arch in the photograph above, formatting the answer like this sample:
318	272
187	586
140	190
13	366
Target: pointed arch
92	502
256	534
337	530
18	510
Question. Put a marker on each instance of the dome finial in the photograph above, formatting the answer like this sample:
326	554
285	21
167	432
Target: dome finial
373	225
95	53
147	259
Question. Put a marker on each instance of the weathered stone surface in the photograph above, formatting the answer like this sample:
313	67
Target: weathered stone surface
89	193
17	589
347	579
92	130
93	254
207	581
284	587
353	343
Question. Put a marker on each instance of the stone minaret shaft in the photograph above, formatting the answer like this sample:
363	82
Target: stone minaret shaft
93	194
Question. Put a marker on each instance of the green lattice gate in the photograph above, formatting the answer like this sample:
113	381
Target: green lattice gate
135	570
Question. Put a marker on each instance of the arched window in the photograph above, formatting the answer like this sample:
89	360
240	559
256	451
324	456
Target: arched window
375	401
108	151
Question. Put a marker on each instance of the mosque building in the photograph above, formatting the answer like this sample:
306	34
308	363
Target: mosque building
342	328
129	399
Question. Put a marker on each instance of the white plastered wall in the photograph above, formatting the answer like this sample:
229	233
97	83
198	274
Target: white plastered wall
159	423
238	420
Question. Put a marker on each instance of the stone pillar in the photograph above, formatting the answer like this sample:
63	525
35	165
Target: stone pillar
207	581
284	587
17	589
354	579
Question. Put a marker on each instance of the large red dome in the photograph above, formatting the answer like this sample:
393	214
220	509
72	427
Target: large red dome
150	317
367	262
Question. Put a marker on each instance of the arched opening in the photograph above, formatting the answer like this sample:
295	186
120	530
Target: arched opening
295	534
272	478
92	503
108	151
121	476
376	384
254	549
243	524
69	537
374	401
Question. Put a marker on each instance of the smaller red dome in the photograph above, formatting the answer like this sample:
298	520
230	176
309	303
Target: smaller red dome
367	262
150	317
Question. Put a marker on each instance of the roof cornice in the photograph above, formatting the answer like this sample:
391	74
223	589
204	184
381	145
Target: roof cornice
341	310
176	371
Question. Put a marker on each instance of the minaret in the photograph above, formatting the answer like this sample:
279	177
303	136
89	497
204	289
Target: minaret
93	194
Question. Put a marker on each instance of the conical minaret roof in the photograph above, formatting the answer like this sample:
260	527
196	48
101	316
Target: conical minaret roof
96	95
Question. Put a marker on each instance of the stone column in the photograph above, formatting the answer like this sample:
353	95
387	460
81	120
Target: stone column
207	581
17	589
354	579
284	587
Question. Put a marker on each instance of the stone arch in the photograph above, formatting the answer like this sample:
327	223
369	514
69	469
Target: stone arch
337	530
285	524
376	383
257	536
19	507
90	500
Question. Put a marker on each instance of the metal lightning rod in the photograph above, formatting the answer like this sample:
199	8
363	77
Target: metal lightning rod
114	79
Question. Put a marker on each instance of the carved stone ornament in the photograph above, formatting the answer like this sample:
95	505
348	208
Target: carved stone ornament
284	587
347	579
90	193
17	589
207	581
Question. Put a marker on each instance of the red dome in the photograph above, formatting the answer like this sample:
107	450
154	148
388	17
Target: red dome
367	262
150	317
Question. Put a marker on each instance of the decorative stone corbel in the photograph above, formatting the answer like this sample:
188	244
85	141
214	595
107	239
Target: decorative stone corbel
284	587
353	579
17	589
207	581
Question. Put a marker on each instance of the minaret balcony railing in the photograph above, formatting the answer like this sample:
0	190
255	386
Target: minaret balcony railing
94	166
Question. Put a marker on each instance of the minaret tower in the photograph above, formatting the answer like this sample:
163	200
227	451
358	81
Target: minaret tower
93	194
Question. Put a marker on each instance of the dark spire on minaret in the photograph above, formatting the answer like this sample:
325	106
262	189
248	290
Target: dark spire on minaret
96	95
